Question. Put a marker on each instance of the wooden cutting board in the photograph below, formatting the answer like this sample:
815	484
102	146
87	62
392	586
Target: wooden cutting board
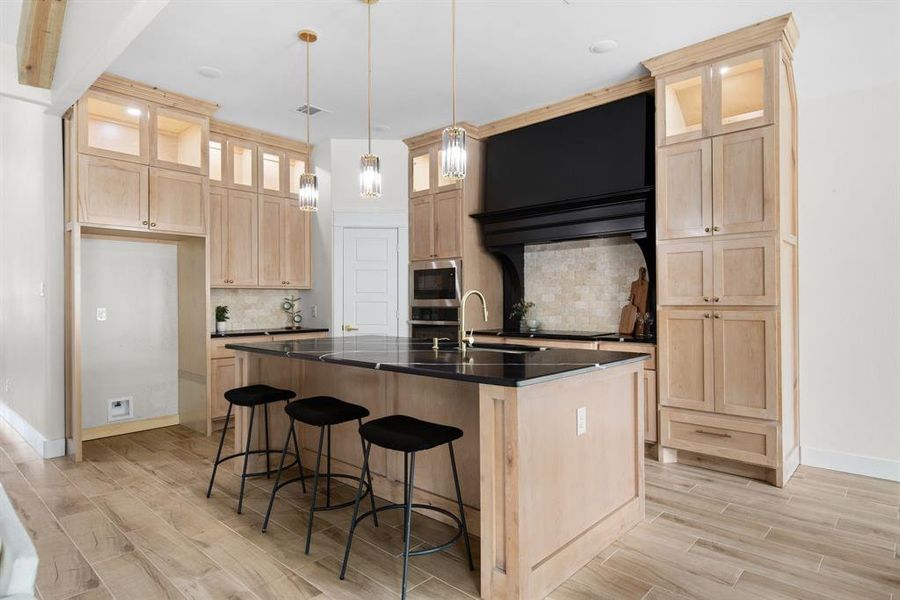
640	288
629	316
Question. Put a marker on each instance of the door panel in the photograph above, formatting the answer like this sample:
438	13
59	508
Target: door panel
745	363
745	271
370	281
744	182
271	239
448	225
685	365
241	240
178	201
684	189
112	192
223	378
421	229
217	225
685	273
295	258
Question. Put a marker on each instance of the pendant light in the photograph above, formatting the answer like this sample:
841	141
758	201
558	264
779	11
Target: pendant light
309	185
453	140
369	164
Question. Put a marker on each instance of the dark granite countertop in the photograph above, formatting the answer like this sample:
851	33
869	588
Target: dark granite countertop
480	364
587	336
272	331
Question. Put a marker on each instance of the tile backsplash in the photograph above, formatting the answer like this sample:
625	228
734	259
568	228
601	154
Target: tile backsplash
581	285
251	308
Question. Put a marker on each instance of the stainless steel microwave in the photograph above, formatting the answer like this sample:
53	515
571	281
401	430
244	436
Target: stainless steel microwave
435	283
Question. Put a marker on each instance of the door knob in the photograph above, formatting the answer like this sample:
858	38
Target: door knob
351	328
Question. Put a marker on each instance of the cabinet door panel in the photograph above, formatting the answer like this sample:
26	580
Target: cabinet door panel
685	359
684	190
745	271
744	182
112	192
650	414
240	165
217	225
179	140
114	126
296	245
241	236
421	229
742	91
447	225
421	176
271	218
178	201
685	273
295	165
683	114
223	379
745	363
271	171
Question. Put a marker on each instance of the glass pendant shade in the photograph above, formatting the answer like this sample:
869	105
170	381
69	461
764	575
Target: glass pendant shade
309	192
453	146
370	176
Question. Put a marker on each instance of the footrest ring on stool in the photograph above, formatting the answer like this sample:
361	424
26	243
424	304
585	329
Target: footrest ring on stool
259	473
423	551
325	476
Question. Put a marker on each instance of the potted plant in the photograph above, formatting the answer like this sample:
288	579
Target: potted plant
520	311
221	317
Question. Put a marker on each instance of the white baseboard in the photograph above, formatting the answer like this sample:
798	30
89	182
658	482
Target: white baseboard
44	447
871	466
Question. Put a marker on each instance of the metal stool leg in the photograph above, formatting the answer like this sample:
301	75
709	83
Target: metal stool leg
287	440
371	489
462	511
268	447
365	469
212	479
408	521
246	456
328	479
299	462
315	492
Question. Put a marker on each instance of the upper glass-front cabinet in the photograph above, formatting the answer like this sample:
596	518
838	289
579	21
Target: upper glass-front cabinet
722	97
216	158
271	167
240	169
420	167
113	126
296	166
179	140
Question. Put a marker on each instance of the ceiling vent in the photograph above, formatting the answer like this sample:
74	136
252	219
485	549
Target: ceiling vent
312	108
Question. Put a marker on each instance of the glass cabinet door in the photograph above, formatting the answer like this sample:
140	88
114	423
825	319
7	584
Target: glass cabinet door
743	89
680	118
216	157
420	168
241	165
296	166
443	183
113	126
271	164
179	140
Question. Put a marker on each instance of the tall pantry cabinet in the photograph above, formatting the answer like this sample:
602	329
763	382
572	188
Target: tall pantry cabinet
727	252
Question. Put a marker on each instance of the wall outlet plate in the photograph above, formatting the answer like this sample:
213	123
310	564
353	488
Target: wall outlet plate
101	314
581	420
120	409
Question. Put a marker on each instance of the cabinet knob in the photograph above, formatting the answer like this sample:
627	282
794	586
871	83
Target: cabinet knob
717	316
715	299
716	228
706	229
152	224
288	282
145	222
705	299
705	315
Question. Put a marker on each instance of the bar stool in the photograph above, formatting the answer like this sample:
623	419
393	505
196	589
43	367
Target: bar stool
409	435
250	397
321	412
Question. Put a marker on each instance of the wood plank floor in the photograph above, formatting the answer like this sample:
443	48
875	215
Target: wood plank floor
132	521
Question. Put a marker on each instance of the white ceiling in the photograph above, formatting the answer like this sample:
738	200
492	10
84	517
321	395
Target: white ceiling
512	55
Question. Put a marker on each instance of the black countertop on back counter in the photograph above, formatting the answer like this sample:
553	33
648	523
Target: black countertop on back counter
479	364
271	331
585	336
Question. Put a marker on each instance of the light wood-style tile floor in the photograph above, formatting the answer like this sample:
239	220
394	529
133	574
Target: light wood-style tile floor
132	522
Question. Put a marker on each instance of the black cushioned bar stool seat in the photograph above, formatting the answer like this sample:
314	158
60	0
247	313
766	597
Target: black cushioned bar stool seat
322	412
251	397
408	435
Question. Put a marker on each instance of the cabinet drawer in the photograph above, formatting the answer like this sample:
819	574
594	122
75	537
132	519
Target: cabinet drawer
649	364
217	347
735	438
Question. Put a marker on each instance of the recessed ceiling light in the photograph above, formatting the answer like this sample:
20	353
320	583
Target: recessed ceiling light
210	72
603	46
134	112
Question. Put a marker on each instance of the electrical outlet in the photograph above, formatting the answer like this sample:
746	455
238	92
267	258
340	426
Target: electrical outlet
581	420
101	314
120	408
315	310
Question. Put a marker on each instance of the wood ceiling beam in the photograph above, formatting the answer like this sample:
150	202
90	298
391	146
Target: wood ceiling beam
40	28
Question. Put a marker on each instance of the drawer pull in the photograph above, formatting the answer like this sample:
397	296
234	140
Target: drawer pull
713	433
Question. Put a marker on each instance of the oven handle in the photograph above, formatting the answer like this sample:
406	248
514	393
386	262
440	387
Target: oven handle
419	322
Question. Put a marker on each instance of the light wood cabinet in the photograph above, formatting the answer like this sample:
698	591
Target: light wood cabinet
685	359
218	202
684	190
421	228
745	363
179	140
236	245
743	182
650	407
114	126
178	201
113	192
296	165
271	170
223	376
685	273
421	180
284	244
447	216
682	113
217	148
241	165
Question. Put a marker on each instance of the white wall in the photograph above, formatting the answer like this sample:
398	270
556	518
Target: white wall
134	352
31	274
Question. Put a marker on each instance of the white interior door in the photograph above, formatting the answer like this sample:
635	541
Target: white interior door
370	281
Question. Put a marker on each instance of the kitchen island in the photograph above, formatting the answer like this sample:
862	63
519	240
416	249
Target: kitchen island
545	491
